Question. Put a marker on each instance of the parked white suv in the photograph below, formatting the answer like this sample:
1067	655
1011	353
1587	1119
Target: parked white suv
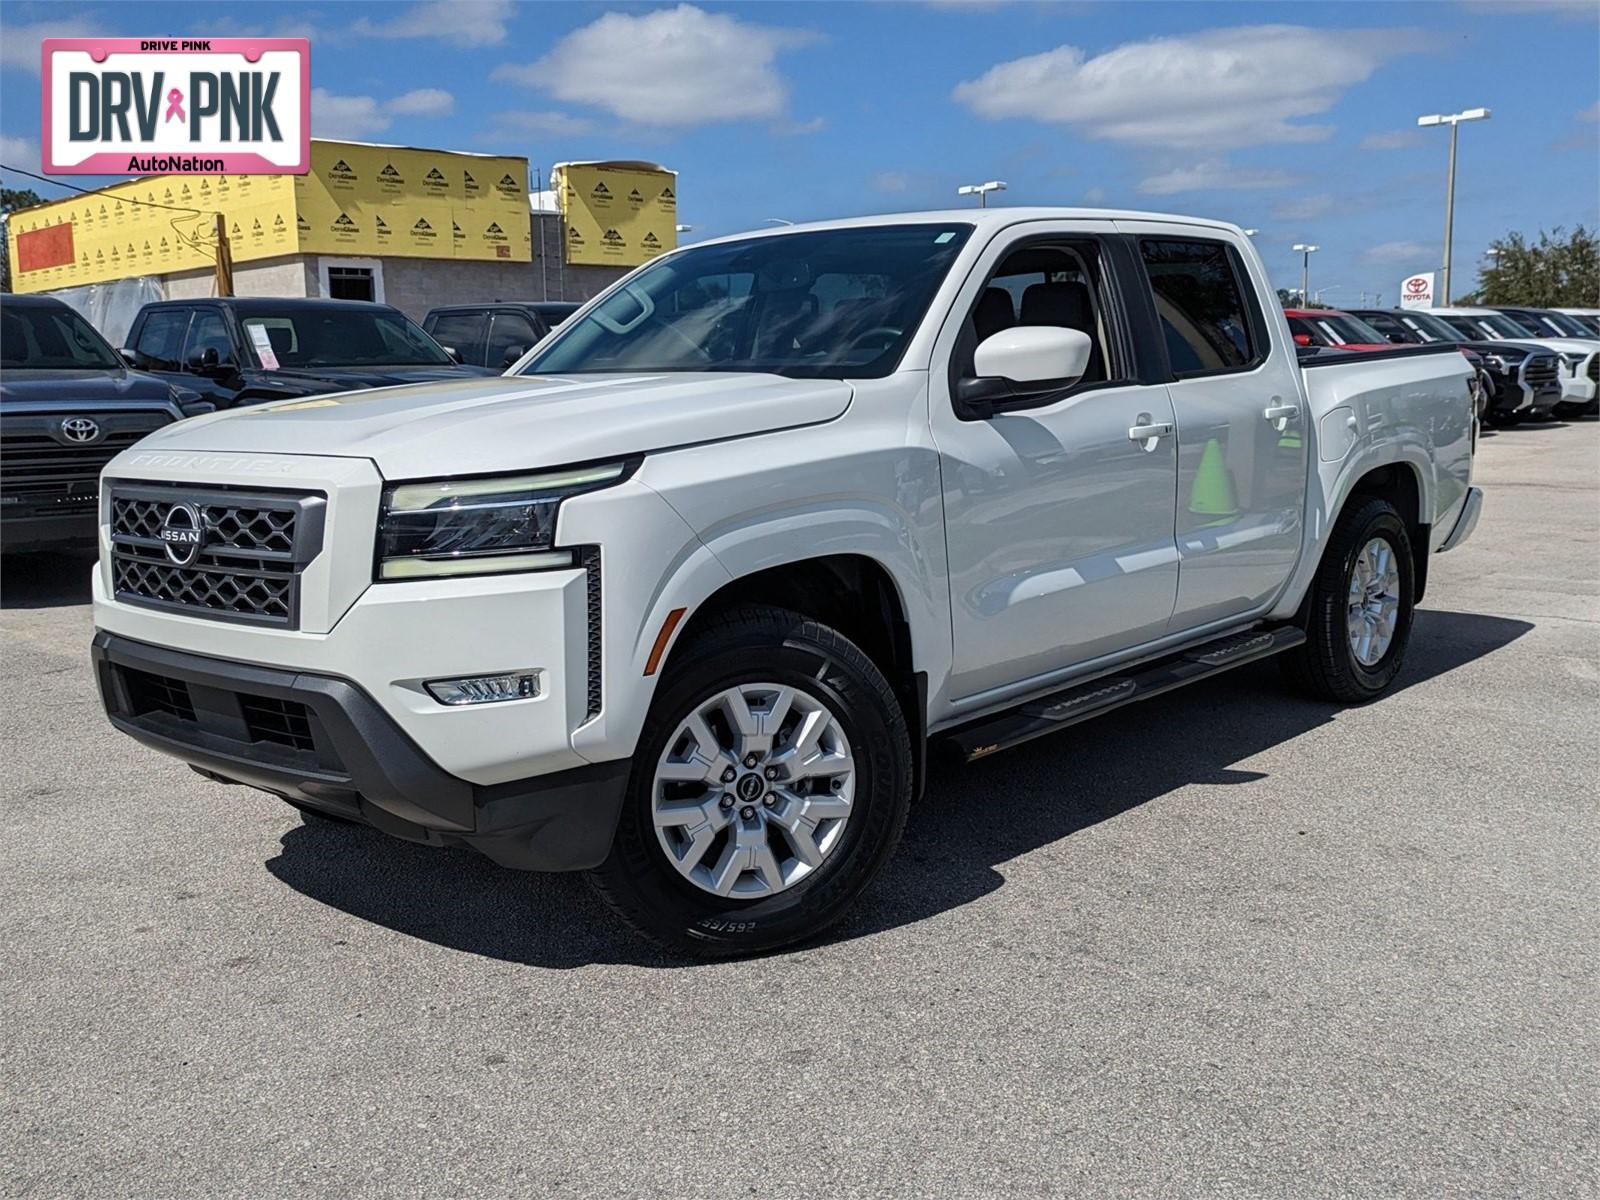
684	598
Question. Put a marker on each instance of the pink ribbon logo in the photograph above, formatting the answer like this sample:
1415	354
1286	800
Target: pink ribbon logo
175	105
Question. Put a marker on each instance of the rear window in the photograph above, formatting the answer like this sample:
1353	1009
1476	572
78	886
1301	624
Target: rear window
1201	304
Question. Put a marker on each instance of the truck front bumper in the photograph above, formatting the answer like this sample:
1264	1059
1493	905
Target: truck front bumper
322	742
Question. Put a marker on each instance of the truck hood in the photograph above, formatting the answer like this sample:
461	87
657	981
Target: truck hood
1560	345
21	387
513	423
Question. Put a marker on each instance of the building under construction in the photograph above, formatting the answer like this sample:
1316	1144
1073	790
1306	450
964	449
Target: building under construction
410	227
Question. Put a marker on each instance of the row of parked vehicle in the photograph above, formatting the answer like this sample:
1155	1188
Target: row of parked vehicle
1532	363
71	403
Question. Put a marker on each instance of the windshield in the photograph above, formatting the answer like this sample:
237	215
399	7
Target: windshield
1432	328
1345	330
1567	326
340	337
834	303
52	339
1498	325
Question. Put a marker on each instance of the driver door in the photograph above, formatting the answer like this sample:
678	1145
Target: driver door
1059	518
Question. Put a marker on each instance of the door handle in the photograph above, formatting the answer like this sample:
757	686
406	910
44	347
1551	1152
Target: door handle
1148	433
1281	414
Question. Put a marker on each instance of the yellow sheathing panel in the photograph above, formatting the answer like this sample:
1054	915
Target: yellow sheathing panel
617	215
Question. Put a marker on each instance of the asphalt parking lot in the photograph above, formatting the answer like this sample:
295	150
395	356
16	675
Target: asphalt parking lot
1231	942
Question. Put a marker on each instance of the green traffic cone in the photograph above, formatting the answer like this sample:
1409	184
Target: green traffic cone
1212	494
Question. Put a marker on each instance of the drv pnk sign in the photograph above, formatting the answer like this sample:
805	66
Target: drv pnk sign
177	106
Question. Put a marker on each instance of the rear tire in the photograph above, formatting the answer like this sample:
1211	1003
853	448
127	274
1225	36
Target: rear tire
756	841
1359	612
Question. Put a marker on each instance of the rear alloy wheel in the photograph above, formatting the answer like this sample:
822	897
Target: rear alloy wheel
1359	612
770	785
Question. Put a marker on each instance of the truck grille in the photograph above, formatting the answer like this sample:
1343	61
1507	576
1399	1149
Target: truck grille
39	463
1540	371
253	547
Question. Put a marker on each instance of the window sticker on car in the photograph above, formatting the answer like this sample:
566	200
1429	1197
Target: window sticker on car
263	345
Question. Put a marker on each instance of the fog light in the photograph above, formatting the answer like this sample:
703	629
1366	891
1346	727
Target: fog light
484	689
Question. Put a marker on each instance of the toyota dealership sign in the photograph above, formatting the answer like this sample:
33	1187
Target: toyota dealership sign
1416	291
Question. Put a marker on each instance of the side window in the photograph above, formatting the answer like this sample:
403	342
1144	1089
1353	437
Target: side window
462	332
1049	284
160	344
208	331
510	331
1201	303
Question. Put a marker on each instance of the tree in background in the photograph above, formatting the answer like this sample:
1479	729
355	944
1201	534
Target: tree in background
12	199
1559	271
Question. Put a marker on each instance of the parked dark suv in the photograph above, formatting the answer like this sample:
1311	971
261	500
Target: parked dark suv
494	335
245	350
68	405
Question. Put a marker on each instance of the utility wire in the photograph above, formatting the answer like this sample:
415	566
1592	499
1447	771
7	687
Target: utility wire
189	239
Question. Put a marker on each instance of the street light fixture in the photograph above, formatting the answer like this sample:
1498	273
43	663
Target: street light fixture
775	221
1305	268
982	190
1251	232
1453	120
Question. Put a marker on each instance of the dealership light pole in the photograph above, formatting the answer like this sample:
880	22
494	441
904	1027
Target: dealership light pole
1305	268
1453	120
982	190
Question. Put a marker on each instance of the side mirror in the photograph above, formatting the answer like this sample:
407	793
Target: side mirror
454	354
1302	339
1017	367
129	356
208	362
512	354
1399	339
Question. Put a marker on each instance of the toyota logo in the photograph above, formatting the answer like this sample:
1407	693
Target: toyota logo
80	430
182	533
1416	286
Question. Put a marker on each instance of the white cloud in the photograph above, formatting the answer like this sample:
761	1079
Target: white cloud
890	182
19	152
459	22
1400	252
345	116
1213	175
1397	139
553	124
1095	195
335	116
1305	208
424	102
20	47
1592	113
675	66
1212	90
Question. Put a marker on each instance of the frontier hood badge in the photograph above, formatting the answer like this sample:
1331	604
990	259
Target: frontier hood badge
182	533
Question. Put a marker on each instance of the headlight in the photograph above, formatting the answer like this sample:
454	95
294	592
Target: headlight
481	526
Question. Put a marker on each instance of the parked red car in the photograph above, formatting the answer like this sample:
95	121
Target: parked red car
1330	327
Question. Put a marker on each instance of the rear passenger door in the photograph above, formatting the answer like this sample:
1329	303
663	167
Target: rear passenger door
1058	517
1241	439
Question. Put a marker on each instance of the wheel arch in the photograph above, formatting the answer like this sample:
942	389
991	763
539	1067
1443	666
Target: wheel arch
854	593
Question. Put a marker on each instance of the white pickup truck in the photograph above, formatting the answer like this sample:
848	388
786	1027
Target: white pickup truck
685	598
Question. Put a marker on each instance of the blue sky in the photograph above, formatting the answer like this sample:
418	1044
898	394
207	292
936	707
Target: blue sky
1296	119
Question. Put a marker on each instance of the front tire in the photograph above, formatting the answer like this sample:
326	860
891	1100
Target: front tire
1359	612
771	783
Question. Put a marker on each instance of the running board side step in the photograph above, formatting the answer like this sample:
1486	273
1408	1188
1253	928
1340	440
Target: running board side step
1098	696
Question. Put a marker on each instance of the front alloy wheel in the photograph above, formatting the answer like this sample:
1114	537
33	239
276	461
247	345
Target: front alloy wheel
770	785
753	791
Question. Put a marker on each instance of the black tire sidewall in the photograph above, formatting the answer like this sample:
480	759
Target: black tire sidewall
650	892
1376	520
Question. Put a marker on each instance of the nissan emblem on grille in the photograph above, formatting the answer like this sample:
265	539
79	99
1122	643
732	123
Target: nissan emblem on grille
181	533
79	429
